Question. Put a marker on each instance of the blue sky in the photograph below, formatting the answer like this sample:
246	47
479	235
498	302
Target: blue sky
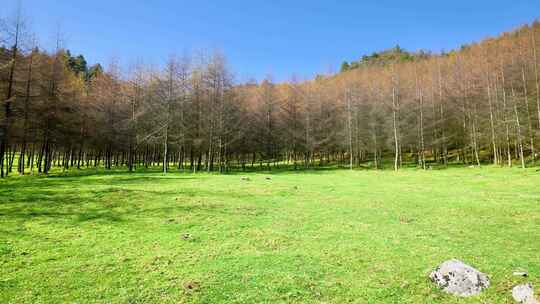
277	37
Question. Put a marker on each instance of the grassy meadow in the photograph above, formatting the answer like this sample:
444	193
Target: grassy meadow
320	236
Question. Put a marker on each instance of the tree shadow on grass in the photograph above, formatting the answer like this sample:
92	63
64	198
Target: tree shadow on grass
76	216
105	215
54	184
77	200
155	172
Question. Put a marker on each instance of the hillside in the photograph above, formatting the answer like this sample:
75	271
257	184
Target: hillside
479	104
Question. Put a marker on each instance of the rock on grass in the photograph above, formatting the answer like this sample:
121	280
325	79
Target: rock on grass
459	279
524	294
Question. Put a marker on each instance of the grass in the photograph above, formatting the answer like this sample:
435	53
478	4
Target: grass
329	236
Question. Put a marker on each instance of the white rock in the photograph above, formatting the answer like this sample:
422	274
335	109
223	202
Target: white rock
521	273
524	294
460	279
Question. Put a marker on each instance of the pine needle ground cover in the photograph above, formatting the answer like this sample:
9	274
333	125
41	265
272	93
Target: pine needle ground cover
328	236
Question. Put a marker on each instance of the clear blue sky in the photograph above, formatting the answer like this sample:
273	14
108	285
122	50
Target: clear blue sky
280	37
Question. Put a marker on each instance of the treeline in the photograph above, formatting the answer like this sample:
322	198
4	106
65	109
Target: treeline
479	104
393	55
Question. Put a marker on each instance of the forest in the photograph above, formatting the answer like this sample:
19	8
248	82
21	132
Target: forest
479	104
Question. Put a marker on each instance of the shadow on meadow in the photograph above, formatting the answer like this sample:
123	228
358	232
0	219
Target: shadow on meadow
156	171
110	198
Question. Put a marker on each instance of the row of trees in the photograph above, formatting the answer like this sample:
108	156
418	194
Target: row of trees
478	104
481	103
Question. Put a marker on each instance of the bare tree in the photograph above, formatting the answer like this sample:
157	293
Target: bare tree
13	30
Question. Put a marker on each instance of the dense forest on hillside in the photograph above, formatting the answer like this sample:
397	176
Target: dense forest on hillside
393	55
479	104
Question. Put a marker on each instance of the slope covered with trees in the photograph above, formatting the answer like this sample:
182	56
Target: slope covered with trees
386	57
477	105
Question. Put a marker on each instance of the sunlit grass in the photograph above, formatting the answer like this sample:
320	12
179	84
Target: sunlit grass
326	236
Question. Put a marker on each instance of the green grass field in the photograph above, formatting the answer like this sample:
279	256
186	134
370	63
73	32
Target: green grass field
327	236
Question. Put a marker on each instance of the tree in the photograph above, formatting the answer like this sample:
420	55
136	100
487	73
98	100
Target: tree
13	30
345	66
475	105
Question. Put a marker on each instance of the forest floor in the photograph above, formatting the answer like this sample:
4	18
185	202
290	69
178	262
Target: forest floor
322	236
